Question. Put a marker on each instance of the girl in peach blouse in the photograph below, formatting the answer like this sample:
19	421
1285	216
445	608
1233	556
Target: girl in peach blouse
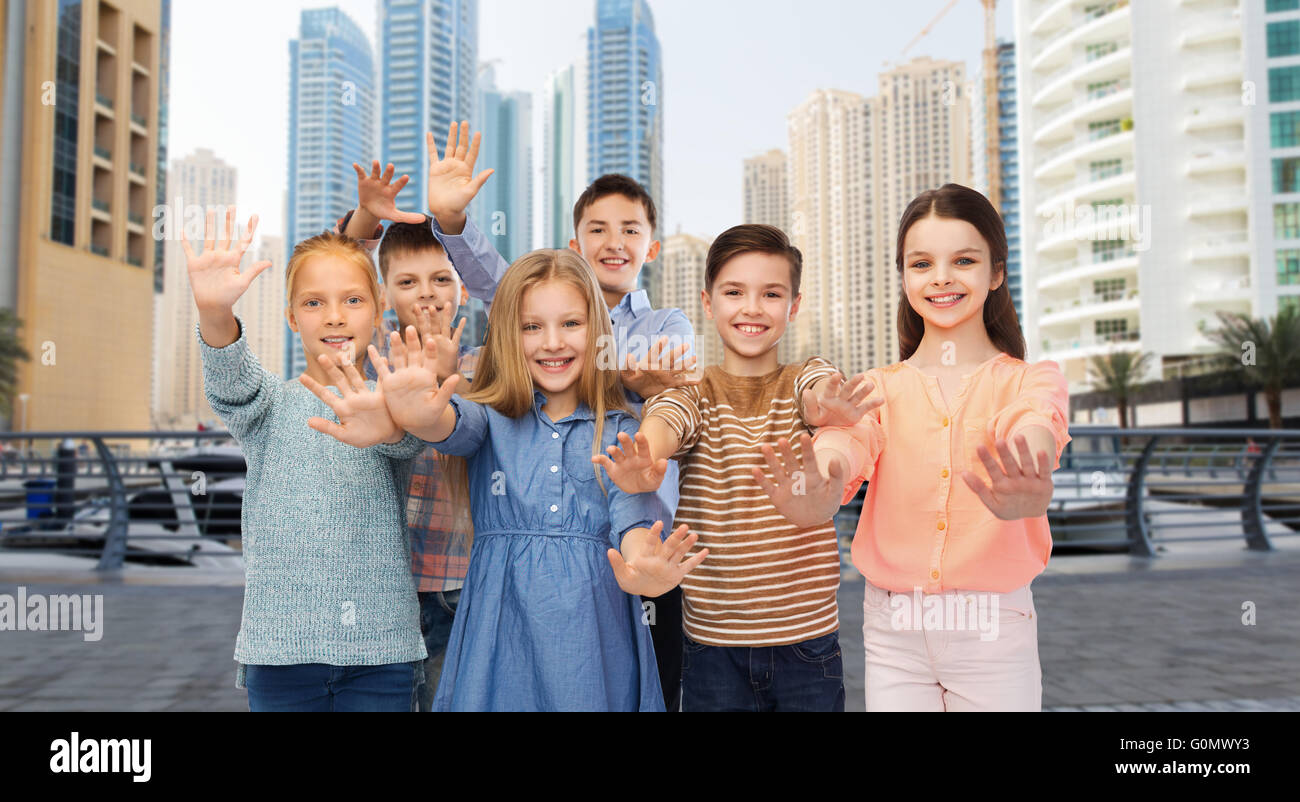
959	451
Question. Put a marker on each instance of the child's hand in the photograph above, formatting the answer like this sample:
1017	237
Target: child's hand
836	402
1020	489
800	491
377	194
214	275
632	467
452	183
653	568
363	416
411	390
435	325
660	371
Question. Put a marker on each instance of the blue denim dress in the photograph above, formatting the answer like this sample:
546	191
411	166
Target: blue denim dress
542	624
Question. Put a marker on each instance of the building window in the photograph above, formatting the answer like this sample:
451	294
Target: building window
1102	128
1281	5
1105	168
1110	289
1286	175
1284	129
1286	221
1283	38
1288	266
1291	302
1108	250
63	204
1284	83
1095	51
1110	329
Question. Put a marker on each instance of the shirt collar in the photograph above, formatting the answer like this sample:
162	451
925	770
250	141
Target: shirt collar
635	303
583	412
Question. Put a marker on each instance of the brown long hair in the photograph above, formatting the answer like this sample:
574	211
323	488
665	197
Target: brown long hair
501	377
956	202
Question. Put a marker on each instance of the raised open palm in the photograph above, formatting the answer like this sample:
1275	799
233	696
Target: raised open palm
214	275
842	404
1019	489
632	467
452	183
363	416
377	193
798	489
658	567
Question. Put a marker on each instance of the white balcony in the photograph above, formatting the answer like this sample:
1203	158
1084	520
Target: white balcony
1223	158
1116	101
1088	187
1221	246
1063	83
1061	159
1213	29
1106	304
1226	203
1052	275
1219	115
1214	73
1055	16
1086	347
1082	26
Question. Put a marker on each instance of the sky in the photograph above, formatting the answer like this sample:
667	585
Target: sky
732	71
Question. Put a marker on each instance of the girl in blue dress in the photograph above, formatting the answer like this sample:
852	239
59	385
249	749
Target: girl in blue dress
549	618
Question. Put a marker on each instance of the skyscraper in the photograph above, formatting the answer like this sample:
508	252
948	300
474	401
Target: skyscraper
564	159
428	68
503	209
199	179
331	125
855	163
1008	155
624	102
766	191
79	144
683	260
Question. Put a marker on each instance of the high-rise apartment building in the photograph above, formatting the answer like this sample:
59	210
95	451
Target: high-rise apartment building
1136	203
564	151
681	278
1008	158
79	173
766	192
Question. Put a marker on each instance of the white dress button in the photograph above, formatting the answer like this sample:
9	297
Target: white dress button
554	508
554	468
555	435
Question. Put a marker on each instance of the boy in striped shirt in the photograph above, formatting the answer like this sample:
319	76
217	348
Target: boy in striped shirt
760	615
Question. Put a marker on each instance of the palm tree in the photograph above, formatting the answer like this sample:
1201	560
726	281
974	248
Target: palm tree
1267	350
1117	374
11	350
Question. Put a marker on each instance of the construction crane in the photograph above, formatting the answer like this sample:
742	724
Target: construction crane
992	134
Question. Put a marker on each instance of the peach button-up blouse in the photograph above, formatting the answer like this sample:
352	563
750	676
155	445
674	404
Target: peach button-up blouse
921	526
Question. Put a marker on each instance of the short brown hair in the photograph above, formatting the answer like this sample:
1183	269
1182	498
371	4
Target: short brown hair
752	238
404	238
615	184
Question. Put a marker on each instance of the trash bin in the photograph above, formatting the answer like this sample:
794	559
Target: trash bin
40	498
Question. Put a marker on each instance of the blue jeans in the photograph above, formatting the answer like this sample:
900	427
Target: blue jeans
801	677
437	609
320	688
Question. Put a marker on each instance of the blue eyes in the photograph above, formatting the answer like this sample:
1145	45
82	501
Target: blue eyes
357	298
921	265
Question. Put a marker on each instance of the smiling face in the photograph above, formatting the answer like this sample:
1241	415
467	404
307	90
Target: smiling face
947	272
553	333
422	279
750	303
615	238
333	310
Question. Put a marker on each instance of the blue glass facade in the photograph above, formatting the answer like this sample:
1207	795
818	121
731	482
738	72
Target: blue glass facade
331	125
625	96
1009	159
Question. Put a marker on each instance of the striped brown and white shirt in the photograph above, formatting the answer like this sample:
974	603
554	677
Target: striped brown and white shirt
765	582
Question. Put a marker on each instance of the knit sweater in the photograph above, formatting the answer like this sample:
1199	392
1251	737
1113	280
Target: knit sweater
325	542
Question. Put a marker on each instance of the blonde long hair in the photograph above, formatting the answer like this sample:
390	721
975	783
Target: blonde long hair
501	378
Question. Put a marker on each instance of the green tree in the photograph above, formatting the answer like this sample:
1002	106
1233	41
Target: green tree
1118	374
1266	350
11	350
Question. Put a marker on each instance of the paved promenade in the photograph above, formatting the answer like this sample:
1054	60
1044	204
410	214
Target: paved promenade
1115	633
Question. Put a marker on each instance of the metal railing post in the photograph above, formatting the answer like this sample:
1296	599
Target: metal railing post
1252	511
1139	533
114	553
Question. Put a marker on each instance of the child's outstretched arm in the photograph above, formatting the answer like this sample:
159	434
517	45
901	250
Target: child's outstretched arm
452	185
1019	489
411	389
364	420
215	279
835	402
645	566
377	201
639	466
661	369
805	490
